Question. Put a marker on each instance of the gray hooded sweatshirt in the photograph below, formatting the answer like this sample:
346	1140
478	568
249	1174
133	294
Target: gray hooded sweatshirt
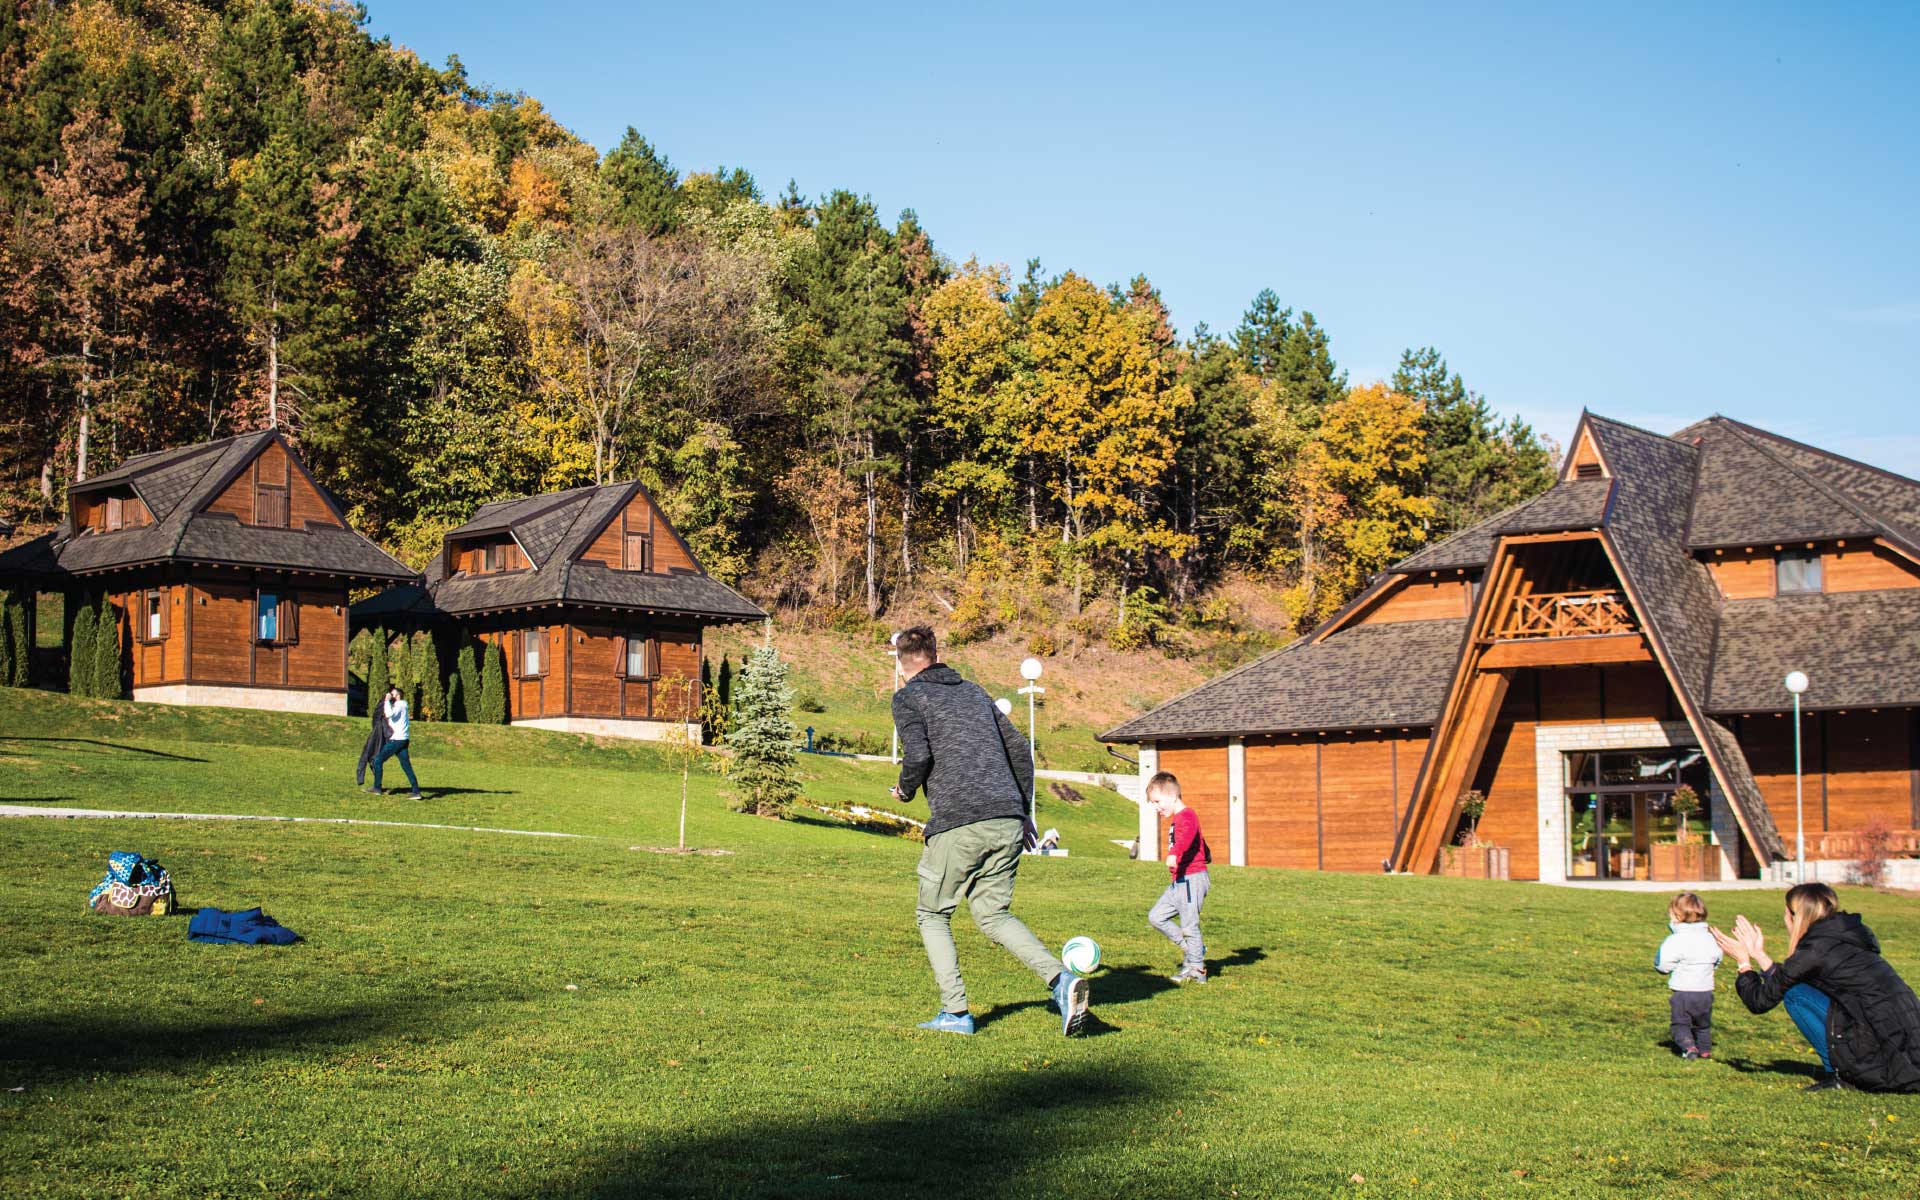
953	742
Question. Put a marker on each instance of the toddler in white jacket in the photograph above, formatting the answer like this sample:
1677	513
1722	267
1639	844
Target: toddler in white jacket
1688	958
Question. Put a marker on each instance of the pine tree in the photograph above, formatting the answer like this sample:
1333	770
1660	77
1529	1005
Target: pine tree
765	763
467	664
378	676
108	665
493	687
433	683
19	630
643	184
456	700
80	661
7	605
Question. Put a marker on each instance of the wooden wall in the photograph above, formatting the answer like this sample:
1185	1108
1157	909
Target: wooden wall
583	674
1329	801
210	640
154	661
1857	766
1509	772
471	557
1420	599
1859	566
609	547
275	467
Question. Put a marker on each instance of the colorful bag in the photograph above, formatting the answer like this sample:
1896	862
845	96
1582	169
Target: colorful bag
134	887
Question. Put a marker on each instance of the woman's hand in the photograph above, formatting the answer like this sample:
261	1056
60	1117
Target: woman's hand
1732	947
1750	936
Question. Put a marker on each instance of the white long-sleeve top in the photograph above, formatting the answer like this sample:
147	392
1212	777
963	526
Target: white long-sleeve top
396	720
1688	956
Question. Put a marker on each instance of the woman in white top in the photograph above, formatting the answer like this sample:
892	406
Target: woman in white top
397	723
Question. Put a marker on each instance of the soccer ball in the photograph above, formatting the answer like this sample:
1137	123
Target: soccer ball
1080	955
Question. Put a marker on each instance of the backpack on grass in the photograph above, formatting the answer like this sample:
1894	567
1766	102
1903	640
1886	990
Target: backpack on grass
134	887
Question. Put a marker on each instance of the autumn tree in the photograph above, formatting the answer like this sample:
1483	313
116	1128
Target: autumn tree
1476	465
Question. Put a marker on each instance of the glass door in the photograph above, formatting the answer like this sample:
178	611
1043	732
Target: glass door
1620	805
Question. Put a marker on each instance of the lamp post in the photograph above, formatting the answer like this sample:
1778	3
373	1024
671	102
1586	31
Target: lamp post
1030	671
1796	682
893	652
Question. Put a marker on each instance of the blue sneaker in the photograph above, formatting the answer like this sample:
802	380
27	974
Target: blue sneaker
946	1022
1070	996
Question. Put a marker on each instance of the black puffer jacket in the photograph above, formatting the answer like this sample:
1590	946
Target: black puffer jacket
954	742
1873	1027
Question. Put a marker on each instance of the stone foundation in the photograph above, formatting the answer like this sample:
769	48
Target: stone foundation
646	731
331	704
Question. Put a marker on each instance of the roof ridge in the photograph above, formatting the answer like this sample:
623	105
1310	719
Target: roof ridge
1638	428
1739	430
1770	435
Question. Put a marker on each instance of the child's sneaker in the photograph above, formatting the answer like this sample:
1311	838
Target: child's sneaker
946	1022
1191	975
1691	1054
1706	1055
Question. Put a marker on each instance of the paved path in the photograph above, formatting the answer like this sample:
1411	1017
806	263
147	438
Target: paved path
35	810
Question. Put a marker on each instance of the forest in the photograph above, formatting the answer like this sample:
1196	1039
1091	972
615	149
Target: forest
226	215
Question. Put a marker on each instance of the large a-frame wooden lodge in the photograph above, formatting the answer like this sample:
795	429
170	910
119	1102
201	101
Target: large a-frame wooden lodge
1579	657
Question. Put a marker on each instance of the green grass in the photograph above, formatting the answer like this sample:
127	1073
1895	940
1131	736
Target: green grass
480	1015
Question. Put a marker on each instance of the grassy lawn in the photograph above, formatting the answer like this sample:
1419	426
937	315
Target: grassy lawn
480	1015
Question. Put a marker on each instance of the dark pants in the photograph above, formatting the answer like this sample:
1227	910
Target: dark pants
1692	1026
395	750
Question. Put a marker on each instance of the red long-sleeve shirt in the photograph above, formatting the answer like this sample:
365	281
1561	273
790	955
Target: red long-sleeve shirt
1185	843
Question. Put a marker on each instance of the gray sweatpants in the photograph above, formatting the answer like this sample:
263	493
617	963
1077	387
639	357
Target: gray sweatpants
976	862
1182	900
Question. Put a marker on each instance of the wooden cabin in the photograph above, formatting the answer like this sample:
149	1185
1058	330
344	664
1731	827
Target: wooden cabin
1578	658
229	566
596	600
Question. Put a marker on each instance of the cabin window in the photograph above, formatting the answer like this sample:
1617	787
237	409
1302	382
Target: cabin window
276	618
532	654
638	657
270	506
1797	571
493	557
639	552
153	615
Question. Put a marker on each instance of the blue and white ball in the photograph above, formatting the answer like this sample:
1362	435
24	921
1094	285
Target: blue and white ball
1080	955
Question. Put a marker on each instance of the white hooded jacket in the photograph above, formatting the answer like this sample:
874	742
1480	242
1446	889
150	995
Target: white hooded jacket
1688	957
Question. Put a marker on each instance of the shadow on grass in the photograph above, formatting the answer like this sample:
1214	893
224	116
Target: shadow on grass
998	1136
1779	1066
874	828
434	793
83	1046
1124	985
101	746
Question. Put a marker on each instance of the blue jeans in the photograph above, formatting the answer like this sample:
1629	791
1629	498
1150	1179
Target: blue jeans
395	750
1808	1006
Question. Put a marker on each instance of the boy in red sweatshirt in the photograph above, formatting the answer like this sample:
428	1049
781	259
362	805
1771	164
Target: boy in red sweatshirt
1187	861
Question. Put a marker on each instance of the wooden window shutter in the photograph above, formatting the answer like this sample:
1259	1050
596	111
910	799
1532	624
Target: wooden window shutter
516	653
639	552
289	619
116	512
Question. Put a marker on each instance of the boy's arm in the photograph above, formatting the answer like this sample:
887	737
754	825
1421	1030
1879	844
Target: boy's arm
1186	839
916	752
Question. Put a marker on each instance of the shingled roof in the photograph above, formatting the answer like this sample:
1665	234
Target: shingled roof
1364	676
1858	650
555	530
176	485
1571	504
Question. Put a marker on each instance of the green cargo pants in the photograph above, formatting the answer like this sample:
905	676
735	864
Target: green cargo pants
977	861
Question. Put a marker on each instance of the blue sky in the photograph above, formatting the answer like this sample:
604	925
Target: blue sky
1656	213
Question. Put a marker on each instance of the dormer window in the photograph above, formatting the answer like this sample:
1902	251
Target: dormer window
1797	572
639	552
270	505
493	557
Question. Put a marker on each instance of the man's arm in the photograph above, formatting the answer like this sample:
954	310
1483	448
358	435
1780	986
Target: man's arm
1017	756
916	752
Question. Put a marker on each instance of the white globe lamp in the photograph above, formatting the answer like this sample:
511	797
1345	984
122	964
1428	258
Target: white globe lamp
1796	682
1005	706
1030	669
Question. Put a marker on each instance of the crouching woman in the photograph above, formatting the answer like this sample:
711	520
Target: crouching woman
1857	1013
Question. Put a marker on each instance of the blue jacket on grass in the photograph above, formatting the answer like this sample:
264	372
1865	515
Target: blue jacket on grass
250	927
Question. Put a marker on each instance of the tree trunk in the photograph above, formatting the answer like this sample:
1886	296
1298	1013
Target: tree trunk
273	374
86	411
46	481
873	543
906	517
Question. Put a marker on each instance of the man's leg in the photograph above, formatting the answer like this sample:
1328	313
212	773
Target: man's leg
990	895
1808	1005
406	764
1164	916
1193	893
940	888
380	762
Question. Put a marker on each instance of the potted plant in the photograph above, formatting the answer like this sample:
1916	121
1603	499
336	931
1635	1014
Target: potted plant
1473	858
1684	857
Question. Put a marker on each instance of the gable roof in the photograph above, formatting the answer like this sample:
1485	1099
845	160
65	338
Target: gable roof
554	530
1890	503
1366	675
1750	491
1572	504
176	486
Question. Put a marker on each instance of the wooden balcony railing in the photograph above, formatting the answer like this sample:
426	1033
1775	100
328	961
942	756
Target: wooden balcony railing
1901	843
1567	614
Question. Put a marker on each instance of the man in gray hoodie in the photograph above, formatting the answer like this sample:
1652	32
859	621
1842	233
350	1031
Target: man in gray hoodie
977	774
